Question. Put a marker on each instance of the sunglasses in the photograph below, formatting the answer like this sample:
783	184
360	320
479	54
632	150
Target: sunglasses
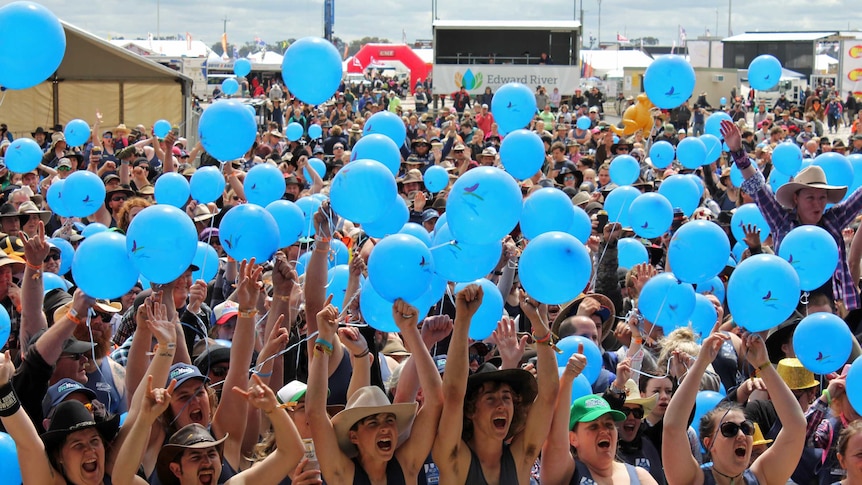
730	429
218	371
118	198
49	257
77	356
64	169
638	413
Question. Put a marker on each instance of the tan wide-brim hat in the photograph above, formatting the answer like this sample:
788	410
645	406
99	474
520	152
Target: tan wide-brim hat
633	396
369	401
571	309
809	177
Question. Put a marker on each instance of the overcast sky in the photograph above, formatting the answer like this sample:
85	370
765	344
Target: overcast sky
275	20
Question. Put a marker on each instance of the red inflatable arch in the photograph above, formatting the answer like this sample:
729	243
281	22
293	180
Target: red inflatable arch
374	53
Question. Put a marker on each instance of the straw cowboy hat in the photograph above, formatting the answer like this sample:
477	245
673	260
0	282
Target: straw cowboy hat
809	177
633	396
369	401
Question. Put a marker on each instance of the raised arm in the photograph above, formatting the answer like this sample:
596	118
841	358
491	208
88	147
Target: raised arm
556	449
315	280
32	296
434	329
316	181
360	357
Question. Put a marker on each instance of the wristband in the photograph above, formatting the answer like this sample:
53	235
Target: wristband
261	374
9	403
363	354
325	343
323	239
498	273
247	313
828	397
322	349
73	316
33	266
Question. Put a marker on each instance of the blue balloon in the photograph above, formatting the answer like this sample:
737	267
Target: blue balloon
764	72
581	227
172	189
737	250
263	184
227	130
722	101
317	165
584	123
698	251
83	193
315	131
363	191
522	153
242	67
580	386
6	323
206	185
547	257
483	205
249	231
787	157
77	132
290	220
339	254
9	467
669	81
294	131
712	125
302	263
762	292
25	25
624	170
159	254
569	346
513	106
23	155
697	181
854	384
691	152
161	128
813	253
838	170
206	258
391	221
713	147
682	193
418	232
440	221
705	402
436	178
617	203
650	215
376	311
490	311
667	302
309	206
400	266
631	252
381	148
854	159
67	253
713	286
703	317
459	261
104	250
93	228
745	215
319	84
662	154
822	342
388	124
544	210
777	179
50	282
336	284
736	178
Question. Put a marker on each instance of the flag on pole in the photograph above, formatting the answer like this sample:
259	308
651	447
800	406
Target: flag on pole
259	42
621	39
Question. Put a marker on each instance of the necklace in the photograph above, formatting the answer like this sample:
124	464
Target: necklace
732	478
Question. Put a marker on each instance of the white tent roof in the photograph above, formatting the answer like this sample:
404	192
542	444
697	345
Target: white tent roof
167	48
604	61
266	58
822	62
778	36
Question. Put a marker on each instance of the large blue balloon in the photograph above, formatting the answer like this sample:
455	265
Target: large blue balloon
787	157
317	165
748	214
363	191
263	184
705	402
713	286
9	467
584	123
813	253
854	384
713	147
67	252
227	130
294	131
662	154
712	125
418	232
777	179
391	221
459	261
581	226
544	210
855	161
490	311
161	128
229	86
104	250
591	351
650	215
513	105
162	255
764	72
249	231
436	178
242	67
33	43
376	311
483	205
631	252
93	228
23	155
667	302
308	206
762	292
83	193
704	316
400	266
336	284
386	123
617	204
698	251
206	258
522	153
382	149
315	131
580	386
682	193
822	342
290	220
312	69
207	184
546	258
691	152
837	168
624	170
77	132
669	81
172	189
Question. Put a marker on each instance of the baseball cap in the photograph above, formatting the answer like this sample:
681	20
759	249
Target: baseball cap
224	311
291	393
430	214
183	372
60	391
64	162
318	149
590	408
594	109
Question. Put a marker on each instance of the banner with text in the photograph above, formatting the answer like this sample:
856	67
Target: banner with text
477	77
851	67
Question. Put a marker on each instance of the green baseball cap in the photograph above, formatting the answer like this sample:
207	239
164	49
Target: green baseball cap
590	408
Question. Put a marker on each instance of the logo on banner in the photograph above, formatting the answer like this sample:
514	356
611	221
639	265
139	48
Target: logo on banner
855	51
468	80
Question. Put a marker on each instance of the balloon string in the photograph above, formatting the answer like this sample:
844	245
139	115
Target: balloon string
3	97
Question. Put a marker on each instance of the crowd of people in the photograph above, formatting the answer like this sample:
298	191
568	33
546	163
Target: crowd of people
258	376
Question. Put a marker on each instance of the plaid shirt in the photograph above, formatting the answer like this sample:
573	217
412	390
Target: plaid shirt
781	221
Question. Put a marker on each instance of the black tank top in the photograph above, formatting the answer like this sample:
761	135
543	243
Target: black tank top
394	474
508	470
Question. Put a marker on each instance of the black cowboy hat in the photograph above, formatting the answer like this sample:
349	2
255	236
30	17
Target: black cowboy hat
71	416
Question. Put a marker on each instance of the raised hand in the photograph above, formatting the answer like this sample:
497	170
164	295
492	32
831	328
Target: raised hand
157	400
36	248
283	275
327	320
259	395
352	340
644	272
732	137
324	220
405	314
624	372
576	364
752	236
468	300
250	285
158	322
301	476
535	311
197	295
436	328
511	348
276	342
754	349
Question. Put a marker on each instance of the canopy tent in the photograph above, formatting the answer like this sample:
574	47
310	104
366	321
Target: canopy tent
266	57
601	63
825	64
96	75
166	48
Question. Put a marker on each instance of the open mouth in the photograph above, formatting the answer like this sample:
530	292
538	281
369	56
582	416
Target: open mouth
629	427
500	423
740	451
206	476
604	444
90	466
196	416
385	444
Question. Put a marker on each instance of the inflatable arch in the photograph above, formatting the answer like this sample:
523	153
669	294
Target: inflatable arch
371	54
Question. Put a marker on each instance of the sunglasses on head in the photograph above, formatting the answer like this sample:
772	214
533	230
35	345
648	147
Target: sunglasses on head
729	429
638	413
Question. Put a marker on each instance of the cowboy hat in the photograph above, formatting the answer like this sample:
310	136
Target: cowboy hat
191	437
633	397
581	198
413	175
71	416
28	208
622	143
606	312
521	381
369	401
810	177
121	128
202	213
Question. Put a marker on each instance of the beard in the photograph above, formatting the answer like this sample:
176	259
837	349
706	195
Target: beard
101	339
